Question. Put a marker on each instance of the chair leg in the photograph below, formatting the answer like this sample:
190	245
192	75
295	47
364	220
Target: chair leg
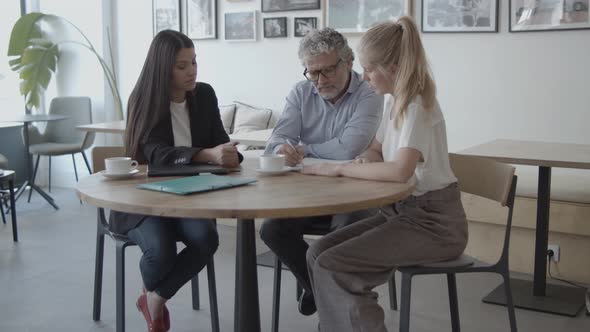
276	294
86	161
453	303
392	293
2	213
4	200
34	177
213	296
509	302
98	264
120	286
195	292
13	211
49	173
406	296
75	168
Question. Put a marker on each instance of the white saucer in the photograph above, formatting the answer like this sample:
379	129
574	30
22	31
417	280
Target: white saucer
119	176
279	172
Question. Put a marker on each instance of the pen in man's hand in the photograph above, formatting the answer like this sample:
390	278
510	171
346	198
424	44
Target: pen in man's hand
296	151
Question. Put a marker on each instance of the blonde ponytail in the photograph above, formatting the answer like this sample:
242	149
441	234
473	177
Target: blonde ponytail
398	43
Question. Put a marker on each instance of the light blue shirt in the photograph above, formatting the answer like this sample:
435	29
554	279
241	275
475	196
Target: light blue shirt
339	131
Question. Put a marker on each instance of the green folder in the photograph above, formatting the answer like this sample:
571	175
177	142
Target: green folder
196	184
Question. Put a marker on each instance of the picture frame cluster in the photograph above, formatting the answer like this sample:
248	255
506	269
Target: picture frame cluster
200	17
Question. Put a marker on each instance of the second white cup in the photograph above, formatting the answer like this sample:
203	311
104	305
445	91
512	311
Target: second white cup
119	165
272	162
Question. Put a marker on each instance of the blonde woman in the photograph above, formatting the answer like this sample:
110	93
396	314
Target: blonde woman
410	145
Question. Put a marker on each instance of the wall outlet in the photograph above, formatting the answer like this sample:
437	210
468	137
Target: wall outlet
555	249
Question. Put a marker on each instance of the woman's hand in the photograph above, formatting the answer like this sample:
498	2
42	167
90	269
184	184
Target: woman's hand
324	169
361	160
225	155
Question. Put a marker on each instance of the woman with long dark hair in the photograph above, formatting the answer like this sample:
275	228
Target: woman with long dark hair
172	120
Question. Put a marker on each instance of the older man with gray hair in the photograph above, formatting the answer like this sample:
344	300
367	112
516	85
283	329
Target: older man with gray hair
332	114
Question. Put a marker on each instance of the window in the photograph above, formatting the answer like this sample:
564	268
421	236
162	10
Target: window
11	101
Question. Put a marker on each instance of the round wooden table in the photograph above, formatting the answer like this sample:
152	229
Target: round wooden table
289	195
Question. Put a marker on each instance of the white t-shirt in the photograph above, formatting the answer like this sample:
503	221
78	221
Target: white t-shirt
424	131
181	126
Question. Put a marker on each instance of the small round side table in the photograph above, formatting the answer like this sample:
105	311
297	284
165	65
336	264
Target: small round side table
9	176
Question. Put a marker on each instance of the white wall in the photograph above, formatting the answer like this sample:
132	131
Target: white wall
532	86
512	85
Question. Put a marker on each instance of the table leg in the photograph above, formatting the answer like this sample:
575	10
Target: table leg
247	308
537	295
29	181
542	232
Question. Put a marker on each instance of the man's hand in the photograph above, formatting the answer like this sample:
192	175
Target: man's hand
293	154
225	155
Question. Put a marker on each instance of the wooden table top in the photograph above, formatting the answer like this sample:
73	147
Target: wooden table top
565	155
115	127
6	174
289	195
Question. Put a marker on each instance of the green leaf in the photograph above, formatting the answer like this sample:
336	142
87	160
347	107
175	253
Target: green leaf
15	64
24	29
38	65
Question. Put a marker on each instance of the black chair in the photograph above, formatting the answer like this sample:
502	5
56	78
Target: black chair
480	177
122	242
8	177
276	292
3	165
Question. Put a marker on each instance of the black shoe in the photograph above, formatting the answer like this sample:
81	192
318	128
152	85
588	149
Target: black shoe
307	304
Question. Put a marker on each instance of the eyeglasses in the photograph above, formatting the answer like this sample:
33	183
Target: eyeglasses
328	72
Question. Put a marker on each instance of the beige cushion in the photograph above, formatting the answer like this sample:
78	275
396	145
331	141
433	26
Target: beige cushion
55	149
227	113
249	118
569	185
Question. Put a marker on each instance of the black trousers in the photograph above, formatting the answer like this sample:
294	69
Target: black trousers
285	238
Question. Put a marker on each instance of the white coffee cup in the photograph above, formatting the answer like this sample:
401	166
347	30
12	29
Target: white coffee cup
119	165
272	162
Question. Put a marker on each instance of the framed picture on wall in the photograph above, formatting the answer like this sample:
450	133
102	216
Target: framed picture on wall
303	25
166	15
358	16
547	15
240	26
275	27
285	5
460	16
201	19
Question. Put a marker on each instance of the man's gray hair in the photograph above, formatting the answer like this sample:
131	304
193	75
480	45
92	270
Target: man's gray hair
321	41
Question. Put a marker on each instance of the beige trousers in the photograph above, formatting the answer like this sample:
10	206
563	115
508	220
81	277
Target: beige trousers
347	264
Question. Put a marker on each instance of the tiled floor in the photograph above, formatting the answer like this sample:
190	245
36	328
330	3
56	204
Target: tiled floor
46	283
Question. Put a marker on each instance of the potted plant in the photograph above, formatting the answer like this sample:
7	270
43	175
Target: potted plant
35	57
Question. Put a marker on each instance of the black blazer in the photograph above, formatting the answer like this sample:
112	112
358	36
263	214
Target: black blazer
158	148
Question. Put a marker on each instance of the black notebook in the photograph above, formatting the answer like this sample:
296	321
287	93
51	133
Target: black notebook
187	170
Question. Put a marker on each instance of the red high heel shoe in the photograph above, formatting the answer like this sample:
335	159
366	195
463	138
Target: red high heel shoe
156	325
166	316
165	313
